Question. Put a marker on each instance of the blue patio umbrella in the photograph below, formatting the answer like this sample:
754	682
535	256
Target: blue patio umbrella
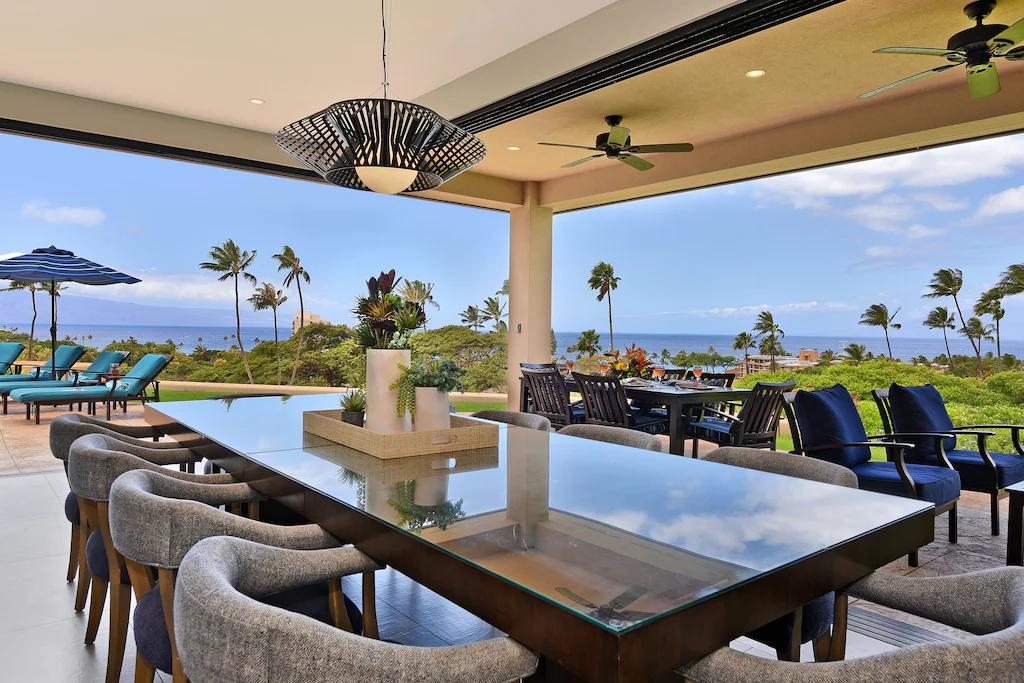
55	265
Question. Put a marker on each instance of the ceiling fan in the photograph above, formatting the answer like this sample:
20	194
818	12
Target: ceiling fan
615	144
974	47
615	611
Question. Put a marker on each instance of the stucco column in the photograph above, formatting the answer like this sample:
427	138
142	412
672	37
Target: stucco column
529	299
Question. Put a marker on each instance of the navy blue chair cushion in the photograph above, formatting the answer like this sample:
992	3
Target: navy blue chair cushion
71	510
975	474
648	423
815	621
96	558
153	642
938	485
920	409
829	416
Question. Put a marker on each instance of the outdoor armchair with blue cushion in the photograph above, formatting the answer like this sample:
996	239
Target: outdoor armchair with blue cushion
825	425
90	375
921	409
65	357
9	352
130	387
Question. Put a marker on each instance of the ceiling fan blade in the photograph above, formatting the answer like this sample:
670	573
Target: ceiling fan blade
576	598
1016	54
559	144
627	597
926	51
908	79
658	149
1002	43
581	161
984	81
636	162
618	136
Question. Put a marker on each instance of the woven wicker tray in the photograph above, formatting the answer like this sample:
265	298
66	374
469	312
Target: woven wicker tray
465	434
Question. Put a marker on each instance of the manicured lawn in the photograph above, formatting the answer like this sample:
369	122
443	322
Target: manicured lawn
473	407
186	395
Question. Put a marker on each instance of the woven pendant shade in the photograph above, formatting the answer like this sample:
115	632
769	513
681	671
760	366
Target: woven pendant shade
378	135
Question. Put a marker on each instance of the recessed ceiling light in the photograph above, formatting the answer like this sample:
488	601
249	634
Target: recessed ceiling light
256	100
513	148
756	73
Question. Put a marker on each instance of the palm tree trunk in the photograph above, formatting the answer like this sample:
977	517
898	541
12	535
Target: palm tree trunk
277	348
976	347
887	344
949	354
302	327
32	331
238	330
999	347
772	354
611	334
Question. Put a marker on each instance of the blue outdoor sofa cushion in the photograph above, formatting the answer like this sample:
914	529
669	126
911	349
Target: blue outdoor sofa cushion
975	474
938	485
829	416
920	409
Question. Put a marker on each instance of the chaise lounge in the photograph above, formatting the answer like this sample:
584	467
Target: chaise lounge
9	352
131	387
89	376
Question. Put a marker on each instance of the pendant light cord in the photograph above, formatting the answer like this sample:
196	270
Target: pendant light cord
384	48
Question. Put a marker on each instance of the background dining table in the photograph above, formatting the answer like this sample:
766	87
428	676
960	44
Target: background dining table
680	402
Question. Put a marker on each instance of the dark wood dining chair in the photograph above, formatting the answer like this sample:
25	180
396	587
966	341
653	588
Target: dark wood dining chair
538	366
605	403
550	398
755	426
676	373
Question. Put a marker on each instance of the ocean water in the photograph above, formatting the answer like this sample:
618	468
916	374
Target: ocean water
902	347
186	337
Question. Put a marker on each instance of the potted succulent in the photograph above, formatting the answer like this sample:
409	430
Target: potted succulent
353	407
385	325
423	390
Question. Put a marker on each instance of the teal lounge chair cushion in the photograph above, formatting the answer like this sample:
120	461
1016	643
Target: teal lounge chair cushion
143	372
66	356
10	387
43	394
9	352
102	364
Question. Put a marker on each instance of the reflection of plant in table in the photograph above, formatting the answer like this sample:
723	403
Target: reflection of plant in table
353	478
425	372
414	517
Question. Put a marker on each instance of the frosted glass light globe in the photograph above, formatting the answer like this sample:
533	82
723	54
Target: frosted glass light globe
385	179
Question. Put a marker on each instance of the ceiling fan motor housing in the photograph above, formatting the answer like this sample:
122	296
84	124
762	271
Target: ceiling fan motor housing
602	144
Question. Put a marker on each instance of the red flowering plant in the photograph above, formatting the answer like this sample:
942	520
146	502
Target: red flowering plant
633	363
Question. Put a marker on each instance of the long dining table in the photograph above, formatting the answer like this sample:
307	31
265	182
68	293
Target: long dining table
615	564
680	402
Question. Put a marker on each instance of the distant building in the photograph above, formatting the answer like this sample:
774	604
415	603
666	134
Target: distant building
310	318
807	358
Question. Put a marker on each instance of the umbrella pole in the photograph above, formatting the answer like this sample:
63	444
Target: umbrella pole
53	329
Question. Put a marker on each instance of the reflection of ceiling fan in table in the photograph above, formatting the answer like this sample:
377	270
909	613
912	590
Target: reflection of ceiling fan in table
615	610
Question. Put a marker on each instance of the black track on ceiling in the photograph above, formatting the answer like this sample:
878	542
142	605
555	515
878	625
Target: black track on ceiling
704	34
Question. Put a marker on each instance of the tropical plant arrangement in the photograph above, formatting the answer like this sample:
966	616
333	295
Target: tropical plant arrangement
353	407
445	375
634	363
385	320
415	517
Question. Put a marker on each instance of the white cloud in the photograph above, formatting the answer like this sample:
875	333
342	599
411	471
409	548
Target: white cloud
164	287
885	213
802	307
88	216
916	232
1007	201
940	201
886	251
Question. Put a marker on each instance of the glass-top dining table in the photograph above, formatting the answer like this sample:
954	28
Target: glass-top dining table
616	564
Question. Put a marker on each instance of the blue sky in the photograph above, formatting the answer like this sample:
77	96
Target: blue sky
815	247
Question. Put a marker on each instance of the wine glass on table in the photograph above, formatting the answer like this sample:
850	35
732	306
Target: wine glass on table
569	365
602	367
659	374
697	372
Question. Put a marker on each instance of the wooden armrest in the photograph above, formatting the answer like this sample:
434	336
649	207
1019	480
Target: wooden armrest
727	416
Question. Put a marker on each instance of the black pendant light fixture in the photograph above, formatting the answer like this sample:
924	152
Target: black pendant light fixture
383	145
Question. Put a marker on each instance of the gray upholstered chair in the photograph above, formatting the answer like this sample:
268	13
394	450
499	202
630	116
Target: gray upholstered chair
989	604
64	429
617	435
225	635
94	462
516	419
155	519
822	621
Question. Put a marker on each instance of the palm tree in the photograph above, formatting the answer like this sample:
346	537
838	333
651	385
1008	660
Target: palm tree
772	333
1012	280
941	319
856	353
32	288
603	281
420	293
949	282
504	288
976	331
826	357
288	261
494	311
991	303
877	315
232	261
268	296
471	318
744	341
588	344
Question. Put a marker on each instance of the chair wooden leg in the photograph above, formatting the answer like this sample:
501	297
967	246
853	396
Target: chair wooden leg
120	605
99	597
793	653
370	606
141	578
76	537
108	411
821	647
39	409
168	577
912	559
337	606
696	443
84	575
837	649
144	671
994	497
952	524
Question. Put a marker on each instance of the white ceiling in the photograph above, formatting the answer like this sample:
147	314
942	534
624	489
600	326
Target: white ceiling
204	59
